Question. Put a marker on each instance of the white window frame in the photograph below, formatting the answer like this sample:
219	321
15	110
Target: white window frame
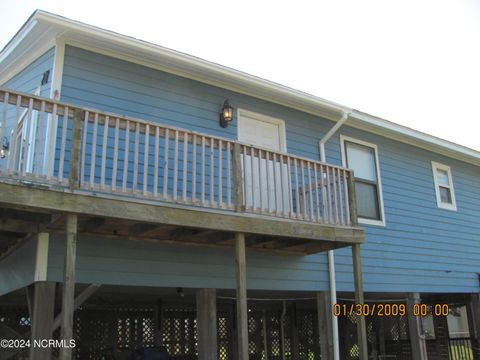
381	221
435	167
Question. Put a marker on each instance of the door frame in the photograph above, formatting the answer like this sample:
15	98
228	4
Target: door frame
265	118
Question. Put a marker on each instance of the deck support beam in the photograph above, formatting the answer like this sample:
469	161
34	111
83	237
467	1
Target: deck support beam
324	309
42	308
473	313
207	323
68	291
242	310
359	299
417	338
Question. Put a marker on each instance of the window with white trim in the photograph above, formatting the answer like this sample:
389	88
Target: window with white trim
442	178
362	158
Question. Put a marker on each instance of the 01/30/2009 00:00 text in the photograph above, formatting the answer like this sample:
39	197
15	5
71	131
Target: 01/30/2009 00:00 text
390	309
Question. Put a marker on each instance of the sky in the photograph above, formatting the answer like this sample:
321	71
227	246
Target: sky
413	62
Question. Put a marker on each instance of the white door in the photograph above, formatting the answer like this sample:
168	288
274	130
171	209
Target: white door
264	178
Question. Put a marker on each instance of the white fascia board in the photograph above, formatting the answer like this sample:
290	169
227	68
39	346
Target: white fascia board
18	38
195	65
414	137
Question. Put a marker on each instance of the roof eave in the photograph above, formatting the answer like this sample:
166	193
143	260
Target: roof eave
222	76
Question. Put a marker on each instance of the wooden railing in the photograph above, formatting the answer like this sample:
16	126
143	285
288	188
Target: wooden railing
107	153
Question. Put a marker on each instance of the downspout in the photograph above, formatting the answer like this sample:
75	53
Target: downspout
331	257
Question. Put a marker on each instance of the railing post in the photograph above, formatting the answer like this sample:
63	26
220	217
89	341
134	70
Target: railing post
352	199
74	178
238	178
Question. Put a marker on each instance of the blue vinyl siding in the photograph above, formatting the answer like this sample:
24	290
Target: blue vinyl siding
28	80
422	248
123	262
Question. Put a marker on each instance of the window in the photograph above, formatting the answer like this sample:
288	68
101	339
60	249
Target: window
442	178
362	158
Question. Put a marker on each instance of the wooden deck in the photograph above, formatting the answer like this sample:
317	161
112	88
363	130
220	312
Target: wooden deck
140	180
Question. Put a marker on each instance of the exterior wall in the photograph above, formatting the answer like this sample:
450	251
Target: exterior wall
124	262
18	269
421	248
28	80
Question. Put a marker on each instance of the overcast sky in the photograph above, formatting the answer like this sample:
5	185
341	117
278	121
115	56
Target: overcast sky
414	62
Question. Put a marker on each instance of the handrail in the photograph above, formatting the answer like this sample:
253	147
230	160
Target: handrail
106	152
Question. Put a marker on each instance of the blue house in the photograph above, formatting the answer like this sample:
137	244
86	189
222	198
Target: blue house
154	201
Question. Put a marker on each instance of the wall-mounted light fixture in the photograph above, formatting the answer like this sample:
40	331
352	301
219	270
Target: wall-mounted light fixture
4	147
226	115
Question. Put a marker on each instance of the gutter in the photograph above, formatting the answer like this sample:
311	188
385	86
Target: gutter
331	257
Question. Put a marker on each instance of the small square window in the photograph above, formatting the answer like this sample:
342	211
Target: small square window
442	177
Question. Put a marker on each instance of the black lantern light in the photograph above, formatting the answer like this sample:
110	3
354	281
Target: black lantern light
226	115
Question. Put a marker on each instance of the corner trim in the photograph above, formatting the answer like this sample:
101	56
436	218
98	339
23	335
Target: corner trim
41	263
57	77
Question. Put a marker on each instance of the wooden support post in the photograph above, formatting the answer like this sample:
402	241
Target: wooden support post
42	319
417	338
324	309
473	314
238	178
68	292
74	178
242	310
359	299
207	324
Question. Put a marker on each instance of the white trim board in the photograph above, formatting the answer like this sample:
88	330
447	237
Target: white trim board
41	264
52	124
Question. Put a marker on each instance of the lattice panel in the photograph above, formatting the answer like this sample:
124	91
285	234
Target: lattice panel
255	336
15	318
119	329
274	344
18	320
225	336
100	332
179	333
348	328
308	335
